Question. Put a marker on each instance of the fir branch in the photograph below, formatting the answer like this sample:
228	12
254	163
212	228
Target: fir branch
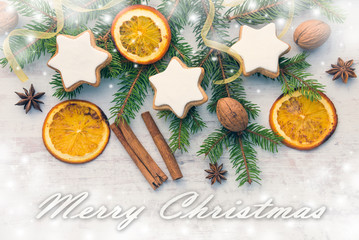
263	137
333	13
132	91
249	180
293	77
177	13
155	67
179	134
206	57
217	65
60	92
223	74
266	11
32	8
220	27
179	48
74	18
182	129
213	144
244	160
173	10
204	5
32	51
178	51
137	2
242	154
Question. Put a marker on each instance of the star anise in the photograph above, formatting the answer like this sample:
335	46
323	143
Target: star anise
216	173
343	70
30	99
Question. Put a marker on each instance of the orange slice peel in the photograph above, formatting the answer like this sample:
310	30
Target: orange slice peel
75	131
141	34
302	123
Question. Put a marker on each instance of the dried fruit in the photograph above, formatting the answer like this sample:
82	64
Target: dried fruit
231	114
8	18
141	34
75	131
311	34
302	123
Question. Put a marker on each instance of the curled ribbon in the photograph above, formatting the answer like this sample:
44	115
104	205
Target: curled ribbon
57	4
219	46
290	19
233	3
35	34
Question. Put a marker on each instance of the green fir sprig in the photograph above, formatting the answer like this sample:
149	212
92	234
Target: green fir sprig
182	129
327	8
60	92
241	144
293	76
214	145
242	153
265	11
258	12
132	91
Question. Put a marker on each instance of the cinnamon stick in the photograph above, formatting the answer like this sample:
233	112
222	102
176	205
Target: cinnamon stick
150	179
141	152
162	146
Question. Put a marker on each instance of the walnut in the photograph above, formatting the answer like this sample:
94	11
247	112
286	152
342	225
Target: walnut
311	34
231	114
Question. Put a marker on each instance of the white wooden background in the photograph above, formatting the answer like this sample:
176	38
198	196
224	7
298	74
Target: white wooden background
325	176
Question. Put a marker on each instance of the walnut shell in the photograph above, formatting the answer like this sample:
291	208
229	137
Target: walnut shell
231	114
8	18
311	34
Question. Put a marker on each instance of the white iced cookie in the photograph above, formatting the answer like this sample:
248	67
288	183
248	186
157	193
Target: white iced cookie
178	88
79	60
260	50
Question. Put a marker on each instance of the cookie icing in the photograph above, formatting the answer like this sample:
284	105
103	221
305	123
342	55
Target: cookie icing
177	87
260	48
77	59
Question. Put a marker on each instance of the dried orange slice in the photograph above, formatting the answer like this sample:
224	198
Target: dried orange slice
302	123
141	34
75	131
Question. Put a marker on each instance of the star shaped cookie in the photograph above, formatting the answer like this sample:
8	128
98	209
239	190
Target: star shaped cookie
79	60
178	88
260	50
